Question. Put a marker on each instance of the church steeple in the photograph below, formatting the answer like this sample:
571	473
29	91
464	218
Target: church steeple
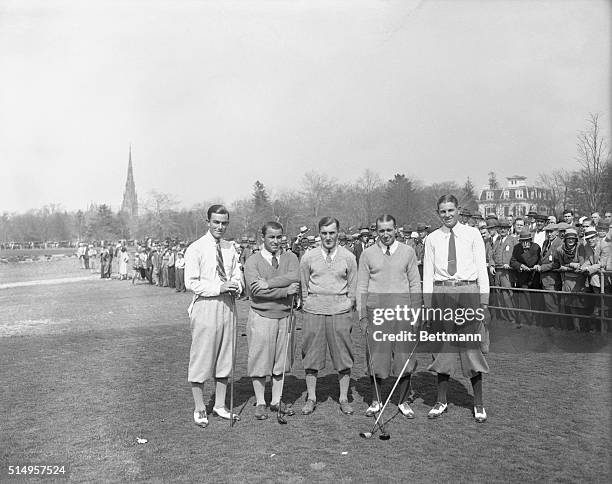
130	199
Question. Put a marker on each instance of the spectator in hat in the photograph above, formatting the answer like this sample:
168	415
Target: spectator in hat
501	271
550	278
464	216
570	261
361	243
179	266
592	265
525	262
539	235
492	227
419	245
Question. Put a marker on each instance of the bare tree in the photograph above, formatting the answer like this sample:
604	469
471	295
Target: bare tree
370	187
593	157
317	189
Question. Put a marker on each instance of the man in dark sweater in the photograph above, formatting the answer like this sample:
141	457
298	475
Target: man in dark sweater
272	277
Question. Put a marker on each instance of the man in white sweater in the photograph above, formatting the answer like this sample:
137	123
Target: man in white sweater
388	279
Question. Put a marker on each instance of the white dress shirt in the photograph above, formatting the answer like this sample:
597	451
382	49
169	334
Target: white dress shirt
201	275
471	258
539	237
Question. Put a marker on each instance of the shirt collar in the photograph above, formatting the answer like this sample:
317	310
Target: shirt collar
456	229
392	248
332	254
267	255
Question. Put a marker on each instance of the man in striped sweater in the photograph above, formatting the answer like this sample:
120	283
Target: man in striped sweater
272	276
329	279
388	279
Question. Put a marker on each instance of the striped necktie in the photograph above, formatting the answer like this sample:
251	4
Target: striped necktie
452	254
274	262
388	253
220	266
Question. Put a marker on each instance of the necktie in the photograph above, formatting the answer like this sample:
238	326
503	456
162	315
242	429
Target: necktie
220	266
274	262
328	259
452	254
388	251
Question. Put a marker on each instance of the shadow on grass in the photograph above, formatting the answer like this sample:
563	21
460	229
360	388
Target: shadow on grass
423	385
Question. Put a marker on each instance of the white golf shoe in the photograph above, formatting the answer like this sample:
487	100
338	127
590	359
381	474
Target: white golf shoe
373	409
480	415
437	410
406	410
224	413
200	418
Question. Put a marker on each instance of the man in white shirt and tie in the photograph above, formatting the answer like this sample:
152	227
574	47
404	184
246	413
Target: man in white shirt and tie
455	276
213	274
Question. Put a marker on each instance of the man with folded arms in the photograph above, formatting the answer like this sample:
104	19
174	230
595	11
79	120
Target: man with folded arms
329	280
212	273
455	276
388	278
272	276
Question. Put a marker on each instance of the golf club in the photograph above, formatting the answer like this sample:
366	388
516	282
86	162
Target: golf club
234	318
367	435
279	414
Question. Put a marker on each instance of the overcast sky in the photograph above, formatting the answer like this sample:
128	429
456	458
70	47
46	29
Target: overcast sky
214	95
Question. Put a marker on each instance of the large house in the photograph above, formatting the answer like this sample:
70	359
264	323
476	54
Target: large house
516	199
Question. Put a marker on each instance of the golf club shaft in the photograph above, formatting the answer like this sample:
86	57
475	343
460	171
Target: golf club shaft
289	321
234	317
396	383
372	372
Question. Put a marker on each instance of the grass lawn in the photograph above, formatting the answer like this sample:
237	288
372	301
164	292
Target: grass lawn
88	367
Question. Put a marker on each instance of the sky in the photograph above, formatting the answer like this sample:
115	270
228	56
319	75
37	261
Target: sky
213	95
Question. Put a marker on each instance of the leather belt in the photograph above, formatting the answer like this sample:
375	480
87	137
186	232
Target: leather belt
453	282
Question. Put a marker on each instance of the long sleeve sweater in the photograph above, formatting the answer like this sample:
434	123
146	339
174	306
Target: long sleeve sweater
328	288
380	274
273	303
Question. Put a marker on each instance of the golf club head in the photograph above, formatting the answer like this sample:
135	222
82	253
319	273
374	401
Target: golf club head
384	436
366	435
281	420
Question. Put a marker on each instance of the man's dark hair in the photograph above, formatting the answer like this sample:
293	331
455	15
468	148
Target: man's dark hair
385	217
519	218
325	221
271	225
218	209
568	211
448	198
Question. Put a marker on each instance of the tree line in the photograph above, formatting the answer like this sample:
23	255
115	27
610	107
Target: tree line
585	189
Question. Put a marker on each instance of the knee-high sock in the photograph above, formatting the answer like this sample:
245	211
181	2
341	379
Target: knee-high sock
220	391
477	387
376	397
276	388
259	386
344	379
197	390
403	387
311	384
442	387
